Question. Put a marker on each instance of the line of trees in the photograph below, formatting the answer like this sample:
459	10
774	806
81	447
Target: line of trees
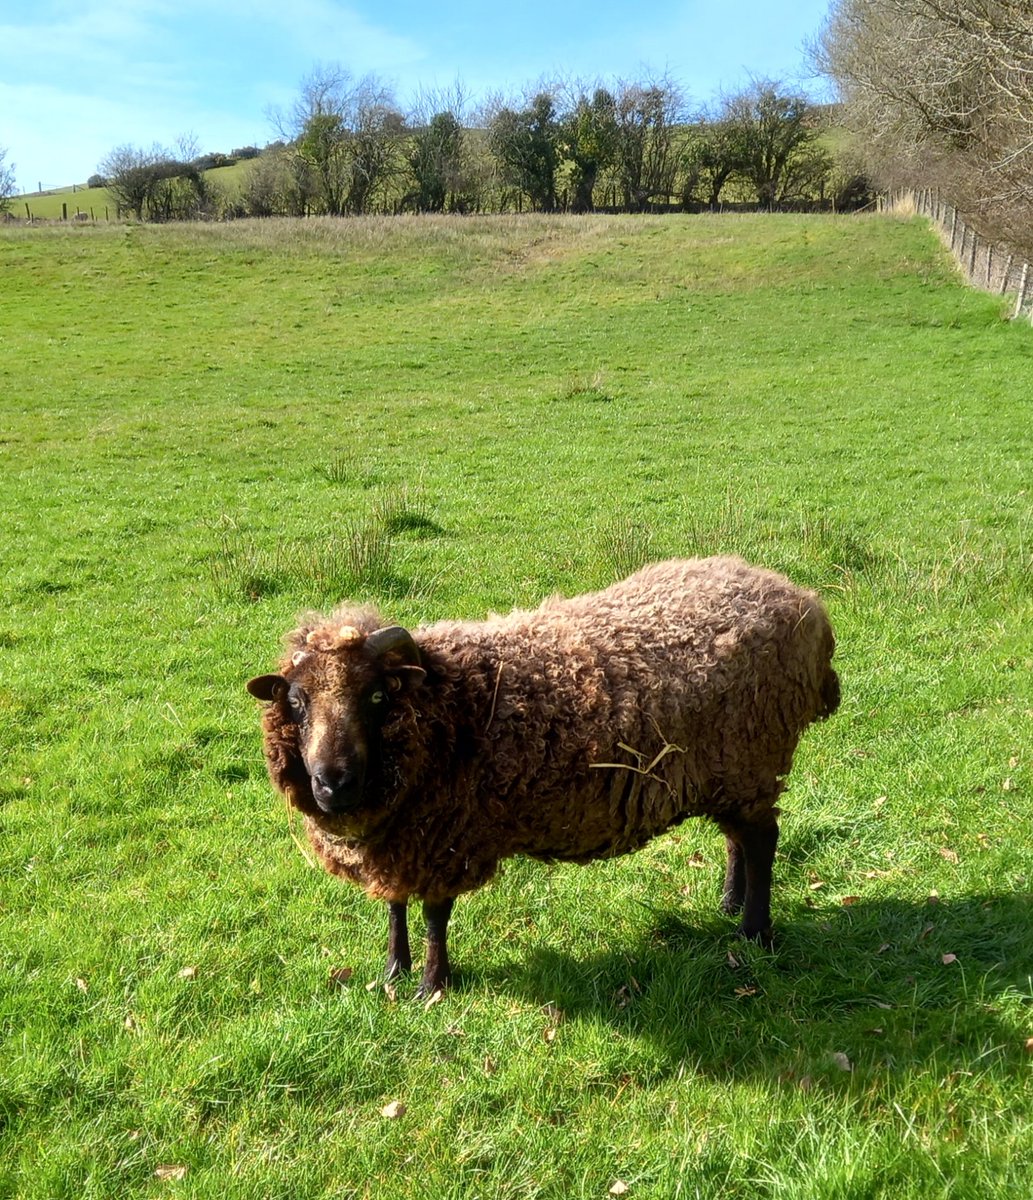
346	147
940	94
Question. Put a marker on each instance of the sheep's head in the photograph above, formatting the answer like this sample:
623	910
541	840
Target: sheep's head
334	694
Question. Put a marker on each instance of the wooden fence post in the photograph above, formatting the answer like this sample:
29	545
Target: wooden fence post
1006	274
1020	299
972	256
954	224
64	212
989	264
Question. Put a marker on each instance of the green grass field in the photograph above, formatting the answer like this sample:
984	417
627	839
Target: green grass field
205	429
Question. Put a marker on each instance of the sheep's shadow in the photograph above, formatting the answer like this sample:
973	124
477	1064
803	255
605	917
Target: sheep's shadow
886	982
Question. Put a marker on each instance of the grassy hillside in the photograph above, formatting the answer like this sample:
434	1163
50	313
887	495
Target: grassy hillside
206	429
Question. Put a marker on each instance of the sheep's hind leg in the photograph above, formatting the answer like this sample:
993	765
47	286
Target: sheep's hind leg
751	854
733	894
399	956
437	971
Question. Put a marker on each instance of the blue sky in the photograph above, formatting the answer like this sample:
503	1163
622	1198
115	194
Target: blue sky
79	77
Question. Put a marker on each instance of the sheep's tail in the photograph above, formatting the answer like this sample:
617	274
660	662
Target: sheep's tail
830	694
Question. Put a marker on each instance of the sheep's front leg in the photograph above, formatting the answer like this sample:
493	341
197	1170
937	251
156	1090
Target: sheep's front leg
751	854
399	956
437	973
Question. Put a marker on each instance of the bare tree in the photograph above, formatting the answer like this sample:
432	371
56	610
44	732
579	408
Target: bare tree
770	137
437	152
941	92
645	161
347	132
156	184
7	183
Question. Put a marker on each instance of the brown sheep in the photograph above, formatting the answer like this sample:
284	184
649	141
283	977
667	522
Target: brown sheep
576	731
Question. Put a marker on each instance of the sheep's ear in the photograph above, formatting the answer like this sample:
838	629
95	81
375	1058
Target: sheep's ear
267	687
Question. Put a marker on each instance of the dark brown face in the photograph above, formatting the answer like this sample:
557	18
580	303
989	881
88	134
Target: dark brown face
338	695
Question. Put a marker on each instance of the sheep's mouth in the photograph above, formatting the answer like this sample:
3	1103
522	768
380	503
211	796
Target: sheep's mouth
354	826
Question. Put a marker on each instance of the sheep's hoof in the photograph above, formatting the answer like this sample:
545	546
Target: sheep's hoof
395	968
731	904
428	990
763	937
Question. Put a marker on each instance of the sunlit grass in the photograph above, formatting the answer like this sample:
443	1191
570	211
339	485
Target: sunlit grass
204	430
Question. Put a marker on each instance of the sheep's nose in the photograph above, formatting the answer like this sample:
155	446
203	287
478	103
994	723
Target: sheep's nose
335	790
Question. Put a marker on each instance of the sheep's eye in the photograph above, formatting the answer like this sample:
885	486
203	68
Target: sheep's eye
298	700
377	697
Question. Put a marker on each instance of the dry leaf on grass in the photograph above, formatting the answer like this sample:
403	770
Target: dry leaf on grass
1029	1045
841	1061
619	1188
950	855
341	975
393	1111
433	998
188	973
171	1171
848	900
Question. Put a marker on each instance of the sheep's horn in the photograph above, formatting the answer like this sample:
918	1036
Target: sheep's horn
394	640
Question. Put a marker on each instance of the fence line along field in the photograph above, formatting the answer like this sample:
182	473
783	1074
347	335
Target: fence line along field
205	430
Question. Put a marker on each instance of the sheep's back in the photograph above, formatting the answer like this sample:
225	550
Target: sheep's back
609	717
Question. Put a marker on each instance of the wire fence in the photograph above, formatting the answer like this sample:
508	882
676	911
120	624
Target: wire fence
985	265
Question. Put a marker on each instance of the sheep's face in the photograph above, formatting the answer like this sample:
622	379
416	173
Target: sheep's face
336	692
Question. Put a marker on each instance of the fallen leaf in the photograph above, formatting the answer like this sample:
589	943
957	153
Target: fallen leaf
390	992
848	900
550	1034
878	1031
489	1066
551	1011
949	958
1029	1045
188	973
372	985
746	991
818	883
170	1171
82	985
695	859
733	962
925	932
619	1188
1013	762
1008	785
130	1025
950	855
883	948
341	975
434	998
393	1111
841	1061
806	1083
